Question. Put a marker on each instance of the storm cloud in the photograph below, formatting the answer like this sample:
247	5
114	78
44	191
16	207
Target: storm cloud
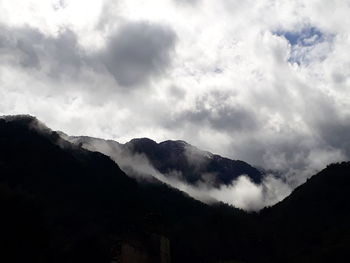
133	54
139	51
30	48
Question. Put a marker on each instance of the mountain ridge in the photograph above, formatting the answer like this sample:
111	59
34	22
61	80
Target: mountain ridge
61	203
194	165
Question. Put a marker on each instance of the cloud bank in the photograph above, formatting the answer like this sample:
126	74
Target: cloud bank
265	81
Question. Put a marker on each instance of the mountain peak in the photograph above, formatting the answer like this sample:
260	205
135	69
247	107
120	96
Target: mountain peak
143	140
174	142
193	164
23	118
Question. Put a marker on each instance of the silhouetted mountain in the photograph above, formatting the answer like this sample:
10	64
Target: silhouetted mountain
177	158
314	221
62	203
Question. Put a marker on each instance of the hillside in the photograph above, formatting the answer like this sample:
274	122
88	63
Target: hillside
313	221
62	203
80	202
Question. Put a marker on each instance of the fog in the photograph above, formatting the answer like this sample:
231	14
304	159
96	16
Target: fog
241	193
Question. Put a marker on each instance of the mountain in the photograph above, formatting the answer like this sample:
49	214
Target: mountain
314	221
62	203
175	159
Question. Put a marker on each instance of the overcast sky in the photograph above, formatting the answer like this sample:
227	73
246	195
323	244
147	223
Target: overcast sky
265	81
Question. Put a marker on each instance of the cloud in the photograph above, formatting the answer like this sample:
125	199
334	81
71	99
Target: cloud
220	111
28	47
308	44
59	4
242	193
264	81
139	51
245	194
135	165
133	55
187	2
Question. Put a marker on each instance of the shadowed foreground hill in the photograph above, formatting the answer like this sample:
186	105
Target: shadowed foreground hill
61	203
314	221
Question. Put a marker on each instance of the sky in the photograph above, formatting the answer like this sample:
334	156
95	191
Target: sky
265	81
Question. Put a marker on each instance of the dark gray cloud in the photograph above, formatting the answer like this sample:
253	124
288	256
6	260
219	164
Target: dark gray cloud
333	129
133	55
328	121
219	111
337	134
139	51
17	45
30	48
225	118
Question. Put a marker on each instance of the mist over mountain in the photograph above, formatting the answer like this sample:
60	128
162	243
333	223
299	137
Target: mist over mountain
177	158
62	203
192	164
204	176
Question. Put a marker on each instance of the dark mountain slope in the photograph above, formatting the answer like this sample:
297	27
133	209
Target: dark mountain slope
314	221
64	184
61	203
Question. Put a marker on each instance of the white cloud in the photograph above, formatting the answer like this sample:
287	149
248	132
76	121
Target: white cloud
269	111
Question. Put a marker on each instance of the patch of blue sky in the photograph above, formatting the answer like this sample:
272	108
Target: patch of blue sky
307	44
